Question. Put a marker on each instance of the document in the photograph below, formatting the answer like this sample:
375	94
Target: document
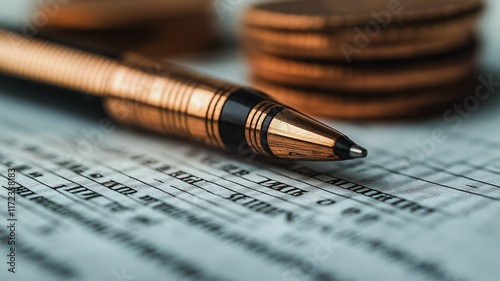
86	199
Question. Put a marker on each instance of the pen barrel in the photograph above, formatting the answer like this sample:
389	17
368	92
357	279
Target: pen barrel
138	91
158	96
54	64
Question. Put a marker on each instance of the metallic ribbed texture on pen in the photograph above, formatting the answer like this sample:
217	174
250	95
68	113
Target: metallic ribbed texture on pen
49	63
254	124
175	104
138	92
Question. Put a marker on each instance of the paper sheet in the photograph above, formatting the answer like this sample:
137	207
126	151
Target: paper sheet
96	201
99	202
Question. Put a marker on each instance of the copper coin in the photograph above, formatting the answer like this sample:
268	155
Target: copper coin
391	34
368	77
309	15
408	103
371	51
172	29
100	14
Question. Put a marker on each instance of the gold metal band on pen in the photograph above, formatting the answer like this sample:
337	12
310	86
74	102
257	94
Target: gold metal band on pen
255	121
175	105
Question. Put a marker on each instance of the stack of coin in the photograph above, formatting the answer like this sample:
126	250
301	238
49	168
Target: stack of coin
364	58
151	27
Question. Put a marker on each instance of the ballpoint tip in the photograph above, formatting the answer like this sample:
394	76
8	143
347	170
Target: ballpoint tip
357	151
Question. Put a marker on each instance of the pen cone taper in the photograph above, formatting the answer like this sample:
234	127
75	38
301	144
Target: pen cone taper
293	135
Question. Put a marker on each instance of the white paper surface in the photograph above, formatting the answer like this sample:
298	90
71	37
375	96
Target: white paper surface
99	202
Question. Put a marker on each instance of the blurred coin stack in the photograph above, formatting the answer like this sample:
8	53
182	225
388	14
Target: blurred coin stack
151	27
364	59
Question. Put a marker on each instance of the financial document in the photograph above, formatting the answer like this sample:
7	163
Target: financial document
96	201
84	198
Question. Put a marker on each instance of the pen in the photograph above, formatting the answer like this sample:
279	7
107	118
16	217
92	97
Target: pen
162	97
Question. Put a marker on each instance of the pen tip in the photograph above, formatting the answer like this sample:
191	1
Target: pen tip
357	151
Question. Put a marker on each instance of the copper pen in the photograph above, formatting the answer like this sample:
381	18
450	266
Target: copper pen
165	98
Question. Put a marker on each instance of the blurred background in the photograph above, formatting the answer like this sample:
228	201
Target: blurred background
413	67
